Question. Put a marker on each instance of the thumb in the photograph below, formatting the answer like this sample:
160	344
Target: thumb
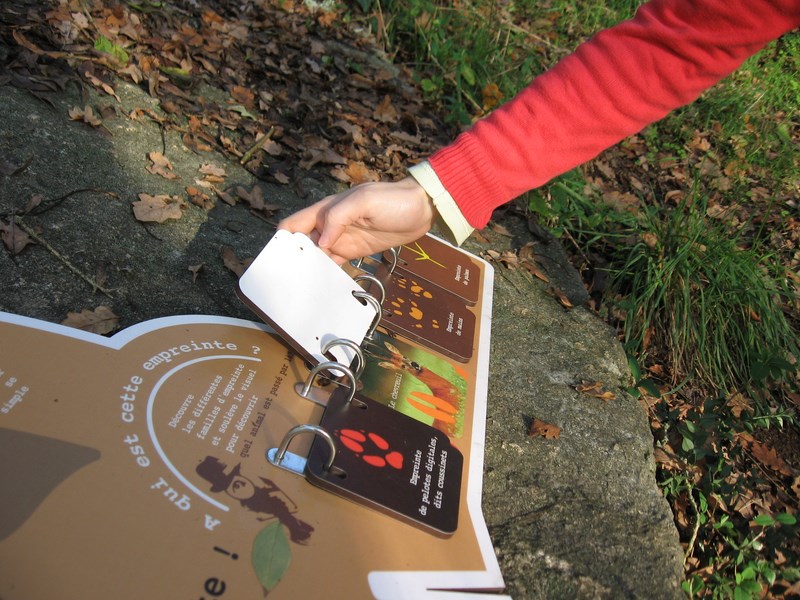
330	235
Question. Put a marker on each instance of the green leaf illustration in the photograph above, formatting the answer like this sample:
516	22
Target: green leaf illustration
271	555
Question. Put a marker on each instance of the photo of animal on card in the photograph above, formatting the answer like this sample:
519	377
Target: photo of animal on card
415	382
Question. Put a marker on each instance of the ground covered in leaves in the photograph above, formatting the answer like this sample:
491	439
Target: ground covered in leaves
277	86
292	92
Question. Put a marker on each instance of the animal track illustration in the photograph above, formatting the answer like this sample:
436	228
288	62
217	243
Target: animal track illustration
358	441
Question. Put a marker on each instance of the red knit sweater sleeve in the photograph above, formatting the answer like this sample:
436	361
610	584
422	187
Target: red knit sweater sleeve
612	86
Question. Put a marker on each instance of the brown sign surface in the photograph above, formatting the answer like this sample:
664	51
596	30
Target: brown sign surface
443	265
134	466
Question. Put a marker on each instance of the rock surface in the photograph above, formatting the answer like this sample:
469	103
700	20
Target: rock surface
575	517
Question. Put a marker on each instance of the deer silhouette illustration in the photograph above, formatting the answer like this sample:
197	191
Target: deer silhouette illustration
444	402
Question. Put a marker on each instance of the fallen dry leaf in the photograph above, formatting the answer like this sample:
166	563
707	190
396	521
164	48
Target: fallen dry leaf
595	389
195	269
213	173
157	209
101	320
385	112
199	198
533	268
35	201
507	258
232	262
254	197
161	166
769	458
501	229
355	172
668	460
86	115
14	238
492	96
545	430
101	85
739	403
561	297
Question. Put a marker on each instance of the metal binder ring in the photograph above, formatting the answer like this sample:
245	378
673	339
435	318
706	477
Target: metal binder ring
375	280
354	347
316	430
378	312
394	252
334	366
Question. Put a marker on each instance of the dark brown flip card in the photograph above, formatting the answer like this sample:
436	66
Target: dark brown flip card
389	462
439	263
425	313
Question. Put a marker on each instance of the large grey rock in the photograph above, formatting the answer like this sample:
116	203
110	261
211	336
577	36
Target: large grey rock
579	516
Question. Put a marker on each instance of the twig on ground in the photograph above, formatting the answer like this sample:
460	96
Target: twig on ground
695	530
39	240
256	147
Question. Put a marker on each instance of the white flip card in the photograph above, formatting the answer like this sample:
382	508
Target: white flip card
306	297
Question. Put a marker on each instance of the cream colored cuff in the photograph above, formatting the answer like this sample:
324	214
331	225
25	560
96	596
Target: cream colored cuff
449	214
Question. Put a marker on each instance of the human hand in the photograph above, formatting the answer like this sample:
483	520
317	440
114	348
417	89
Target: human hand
366	219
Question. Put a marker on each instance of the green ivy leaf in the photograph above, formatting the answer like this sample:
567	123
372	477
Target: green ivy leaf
271	555
103	44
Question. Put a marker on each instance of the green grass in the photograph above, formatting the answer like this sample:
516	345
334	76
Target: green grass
707	296
691	286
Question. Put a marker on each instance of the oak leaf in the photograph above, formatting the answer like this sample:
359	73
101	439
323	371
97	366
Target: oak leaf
213	173
8	169
385	112
355	172
14	238
254	197
161	166
101	320
199	198
86	115
595	389
769	457
492	96
157	209
233	262
546	430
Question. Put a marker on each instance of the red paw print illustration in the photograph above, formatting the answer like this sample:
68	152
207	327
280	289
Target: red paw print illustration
358	441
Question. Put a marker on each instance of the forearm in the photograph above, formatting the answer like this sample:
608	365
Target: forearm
611	87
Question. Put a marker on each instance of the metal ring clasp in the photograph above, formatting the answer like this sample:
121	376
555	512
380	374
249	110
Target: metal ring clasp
375	280
354	347
333	366
378	312
394	252
316	430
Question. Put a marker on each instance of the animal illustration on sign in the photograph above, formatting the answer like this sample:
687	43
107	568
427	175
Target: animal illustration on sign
442	404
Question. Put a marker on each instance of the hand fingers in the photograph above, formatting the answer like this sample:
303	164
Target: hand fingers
305	220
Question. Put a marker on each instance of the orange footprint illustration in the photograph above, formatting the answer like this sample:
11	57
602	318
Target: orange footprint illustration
357	442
